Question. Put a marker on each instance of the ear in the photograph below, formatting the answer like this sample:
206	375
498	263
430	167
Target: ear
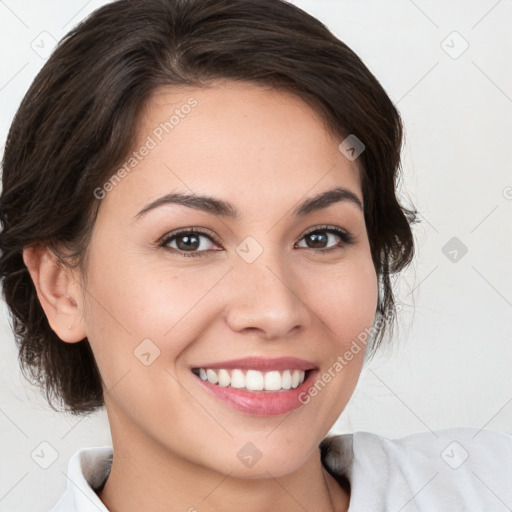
59	292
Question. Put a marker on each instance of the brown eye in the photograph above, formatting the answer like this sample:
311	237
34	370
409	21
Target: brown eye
191	241
324	239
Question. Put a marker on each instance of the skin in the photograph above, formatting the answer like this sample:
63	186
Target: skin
175	445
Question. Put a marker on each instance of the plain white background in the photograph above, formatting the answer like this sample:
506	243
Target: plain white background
447	67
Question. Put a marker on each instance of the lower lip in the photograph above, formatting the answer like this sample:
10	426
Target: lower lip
261	403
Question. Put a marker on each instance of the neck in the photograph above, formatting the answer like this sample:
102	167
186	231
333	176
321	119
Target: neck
146	476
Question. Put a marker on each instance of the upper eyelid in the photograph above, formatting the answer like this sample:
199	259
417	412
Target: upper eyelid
201	231
323	227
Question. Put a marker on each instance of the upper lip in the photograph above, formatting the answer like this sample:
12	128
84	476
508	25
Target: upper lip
262	364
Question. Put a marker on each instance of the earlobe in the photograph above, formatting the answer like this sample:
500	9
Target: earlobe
58	292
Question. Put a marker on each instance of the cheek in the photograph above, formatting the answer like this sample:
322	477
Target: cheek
345	298
346	302
143	299
128	303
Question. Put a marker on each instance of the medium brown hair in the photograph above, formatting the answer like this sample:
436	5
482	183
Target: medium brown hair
77	123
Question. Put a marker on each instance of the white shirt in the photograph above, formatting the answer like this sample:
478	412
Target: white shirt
450	470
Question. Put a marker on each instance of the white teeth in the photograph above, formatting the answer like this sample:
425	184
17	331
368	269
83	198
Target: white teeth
286	379
295	378
272	381
237	379
254	380
224	378
211	375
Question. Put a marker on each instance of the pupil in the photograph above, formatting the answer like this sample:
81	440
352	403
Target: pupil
318	239
190	242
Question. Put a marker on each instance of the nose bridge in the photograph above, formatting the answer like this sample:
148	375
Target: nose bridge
263	292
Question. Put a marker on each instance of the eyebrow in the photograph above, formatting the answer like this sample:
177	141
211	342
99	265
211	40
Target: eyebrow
223	208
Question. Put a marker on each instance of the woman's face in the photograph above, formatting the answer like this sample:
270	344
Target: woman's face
252	286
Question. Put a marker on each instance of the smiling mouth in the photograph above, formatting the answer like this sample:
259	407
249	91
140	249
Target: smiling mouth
253	380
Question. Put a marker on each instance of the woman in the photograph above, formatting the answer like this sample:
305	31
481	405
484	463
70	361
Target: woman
199	229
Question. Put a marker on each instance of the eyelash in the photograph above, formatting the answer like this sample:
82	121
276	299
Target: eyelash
346	238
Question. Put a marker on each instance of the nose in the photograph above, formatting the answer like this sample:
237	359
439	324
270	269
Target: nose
265	297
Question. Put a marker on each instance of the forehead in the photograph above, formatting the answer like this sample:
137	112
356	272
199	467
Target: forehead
248	144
